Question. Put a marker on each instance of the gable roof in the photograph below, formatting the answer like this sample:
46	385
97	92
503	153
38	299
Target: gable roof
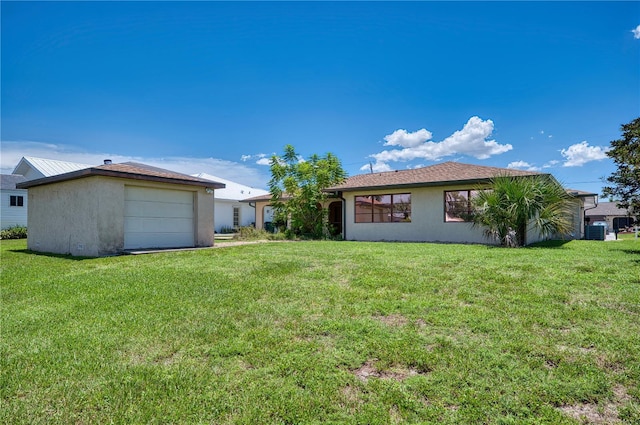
127	170
233	191
9	181
46	167
434	175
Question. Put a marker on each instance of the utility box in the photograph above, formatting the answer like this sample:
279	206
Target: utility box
594	233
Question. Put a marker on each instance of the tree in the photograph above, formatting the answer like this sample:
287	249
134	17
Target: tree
514	205
296	188
625	181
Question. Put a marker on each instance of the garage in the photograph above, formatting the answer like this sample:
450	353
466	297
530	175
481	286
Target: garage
158	218
113	209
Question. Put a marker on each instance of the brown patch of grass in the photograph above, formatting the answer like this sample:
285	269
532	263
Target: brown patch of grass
352	398
368	370
394	415
393	320
594	414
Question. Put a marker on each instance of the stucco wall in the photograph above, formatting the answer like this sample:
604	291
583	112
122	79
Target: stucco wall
204	217
427	220
85	217
62	218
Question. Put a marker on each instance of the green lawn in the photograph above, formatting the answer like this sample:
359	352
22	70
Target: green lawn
324	332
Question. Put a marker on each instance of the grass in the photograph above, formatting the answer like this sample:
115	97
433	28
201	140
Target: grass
324	332
628	236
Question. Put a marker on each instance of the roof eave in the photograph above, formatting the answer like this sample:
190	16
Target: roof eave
410	185
88	172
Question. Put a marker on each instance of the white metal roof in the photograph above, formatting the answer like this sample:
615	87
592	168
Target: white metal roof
47	167
233	191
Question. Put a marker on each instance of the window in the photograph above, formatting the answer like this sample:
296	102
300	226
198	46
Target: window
236	217
394	208
16	201
458	206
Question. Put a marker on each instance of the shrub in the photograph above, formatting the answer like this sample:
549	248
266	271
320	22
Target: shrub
251	233
14	232
227	229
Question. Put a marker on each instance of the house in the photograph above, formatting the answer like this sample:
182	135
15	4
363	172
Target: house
229	213
33	168
13	201
111	208
429	204
616	217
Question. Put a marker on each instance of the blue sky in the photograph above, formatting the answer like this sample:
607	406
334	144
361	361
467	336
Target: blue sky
218	87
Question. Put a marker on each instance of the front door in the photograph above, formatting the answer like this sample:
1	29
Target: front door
335	218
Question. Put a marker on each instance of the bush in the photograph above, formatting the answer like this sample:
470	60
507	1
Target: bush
14	232
227	229
251	233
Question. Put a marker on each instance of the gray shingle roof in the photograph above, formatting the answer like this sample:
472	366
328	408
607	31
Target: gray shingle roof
9	181
607	208
434	175
129	170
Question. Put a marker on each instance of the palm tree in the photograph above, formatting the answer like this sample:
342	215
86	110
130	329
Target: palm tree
514	205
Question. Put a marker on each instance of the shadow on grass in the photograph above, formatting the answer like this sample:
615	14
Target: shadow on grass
48	254
635	252
557	243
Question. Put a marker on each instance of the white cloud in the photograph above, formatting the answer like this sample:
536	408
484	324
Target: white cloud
257	157
471	140
636	32
414	167
523	165
407	140
377	167
12	152
581	153
264	161
551	164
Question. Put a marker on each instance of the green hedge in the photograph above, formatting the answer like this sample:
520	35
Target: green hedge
14	232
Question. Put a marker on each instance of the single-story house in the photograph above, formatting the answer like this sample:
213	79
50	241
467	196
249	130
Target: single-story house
616	217
13	201
429	204
229	212
111	208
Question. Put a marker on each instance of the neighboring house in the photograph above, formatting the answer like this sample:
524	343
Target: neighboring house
13	202
229	212
107	209
429	204
36	168
261	205
616	217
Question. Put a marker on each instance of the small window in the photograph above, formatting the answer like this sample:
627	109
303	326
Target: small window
236	217
458	205
394	208
16	201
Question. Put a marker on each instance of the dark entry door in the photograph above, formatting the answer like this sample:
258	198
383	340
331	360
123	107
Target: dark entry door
335	218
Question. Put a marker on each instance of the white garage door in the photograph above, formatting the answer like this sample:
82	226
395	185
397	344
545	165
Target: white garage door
157	218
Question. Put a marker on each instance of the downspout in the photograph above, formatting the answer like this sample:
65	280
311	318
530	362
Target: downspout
344	215
253	205
584	216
